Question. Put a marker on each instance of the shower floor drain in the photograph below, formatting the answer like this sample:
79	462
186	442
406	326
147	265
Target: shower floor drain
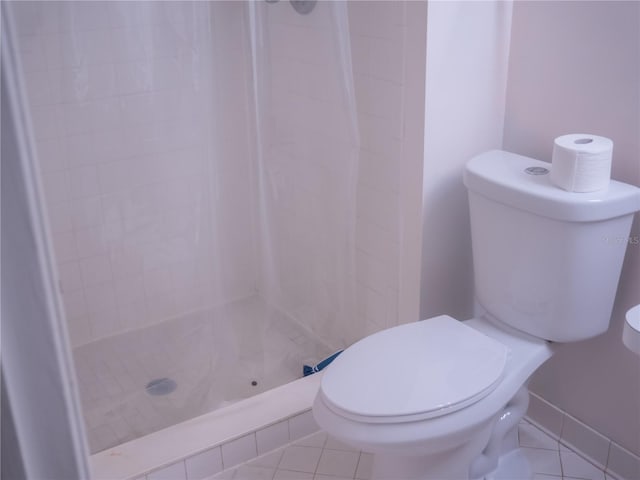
161	386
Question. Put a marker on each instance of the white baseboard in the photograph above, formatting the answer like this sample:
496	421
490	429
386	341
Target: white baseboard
615	460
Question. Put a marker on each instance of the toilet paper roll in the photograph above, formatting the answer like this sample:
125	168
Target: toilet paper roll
581	162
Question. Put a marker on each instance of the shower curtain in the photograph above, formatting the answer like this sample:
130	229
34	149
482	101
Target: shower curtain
307	145
192	154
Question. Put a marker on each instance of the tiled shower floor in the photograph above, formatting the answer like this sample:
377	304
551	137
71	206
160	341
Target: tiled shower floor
214	357
319	457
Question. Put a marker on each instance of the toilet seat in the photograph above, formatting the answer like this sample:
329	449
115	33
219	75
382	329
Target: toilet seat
414	371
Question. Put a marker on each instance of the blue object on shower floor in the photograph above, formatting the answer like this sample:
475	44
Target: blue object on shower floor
309	370
161	386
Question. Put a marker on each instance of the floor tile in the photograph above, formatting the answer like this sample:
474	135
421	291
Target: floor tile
319	476
248	472
300	459
365	463
543	461
290	475
338	463
226	475
573	465
315	440
335	444
531	436
268	460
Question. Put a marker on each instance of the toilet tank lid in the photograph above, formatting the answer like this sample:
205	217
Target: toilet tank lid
502	176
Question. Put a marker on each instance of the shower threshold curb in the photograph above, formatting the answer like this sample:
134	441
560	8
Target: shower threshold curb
165	447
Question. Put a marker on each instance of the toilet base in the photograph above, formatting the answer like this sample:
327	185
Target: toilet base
449	464
492	453
414	468
512	466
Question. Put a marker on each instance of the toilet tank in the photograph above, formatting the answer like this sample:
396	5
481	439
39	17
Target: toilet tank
546	261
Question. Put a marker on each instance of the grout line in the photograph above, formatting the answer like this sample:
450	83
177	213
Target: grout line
355	474
606	464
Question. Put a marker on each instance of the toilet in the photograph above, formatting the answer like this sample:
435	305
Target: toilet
441	398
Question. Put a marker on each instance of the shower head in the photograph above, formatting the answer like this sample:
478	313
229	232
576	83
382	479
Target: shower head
301	6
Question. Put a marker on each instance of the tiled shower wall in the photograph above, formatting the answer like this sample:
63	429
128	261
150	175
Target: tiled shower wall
136	184
121	97
386	40
388	51
308	170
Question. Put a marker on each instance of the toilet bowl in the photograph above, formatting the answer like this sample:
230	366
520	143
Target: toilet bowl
441	399
441	415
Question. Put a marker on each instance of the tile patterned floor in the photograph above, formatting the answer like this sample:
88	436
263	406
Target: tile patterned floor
320	457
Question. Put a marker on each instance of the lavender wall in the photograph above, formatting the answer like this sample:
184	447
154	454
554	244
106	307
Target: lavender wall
467	49
575	67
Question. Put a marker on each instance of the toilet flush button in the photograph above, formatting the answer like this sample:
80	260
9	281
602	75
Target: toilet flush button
536	170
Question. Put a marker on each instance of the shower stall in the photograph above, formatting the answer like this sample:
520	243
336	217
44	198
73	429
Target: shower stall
222	182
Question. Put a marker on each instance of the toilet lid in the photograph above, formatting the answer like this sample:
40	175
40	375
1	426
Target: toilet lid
425	368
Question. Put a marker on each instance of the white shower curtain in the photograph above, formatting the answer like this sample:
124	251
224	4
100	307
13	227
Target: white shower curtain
307	164
192	154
